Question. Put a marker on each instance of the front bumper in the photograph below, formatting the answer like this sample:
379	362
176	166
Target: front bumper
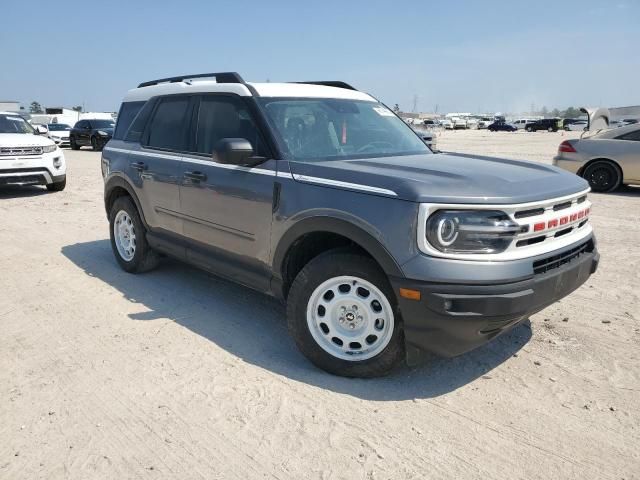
29	176
451	319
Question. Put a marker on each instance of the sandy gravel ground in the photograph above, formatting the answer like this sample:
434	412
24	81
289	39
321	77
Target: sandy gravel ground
178	374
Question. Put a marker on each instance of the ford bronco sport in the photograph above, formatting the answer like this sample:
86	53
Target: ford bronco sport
318	194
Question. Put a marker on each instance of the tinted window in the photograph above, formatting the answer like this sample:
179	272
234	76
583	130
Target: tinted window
81	124
225	117
134	134
128	112
166	128
631	136
58	127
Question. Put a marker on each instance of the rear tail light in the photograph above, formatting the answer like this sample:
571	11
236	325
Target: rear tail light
566	147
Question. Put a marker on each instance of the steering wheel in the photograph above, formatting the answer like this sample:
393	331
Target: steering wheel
372	145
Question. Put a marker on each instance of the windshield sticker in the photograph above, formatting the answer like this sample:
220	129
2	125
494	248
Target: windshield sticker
385	112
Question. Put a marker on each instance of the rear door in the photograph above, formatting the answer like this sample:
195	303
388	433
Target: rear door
227	209
156	163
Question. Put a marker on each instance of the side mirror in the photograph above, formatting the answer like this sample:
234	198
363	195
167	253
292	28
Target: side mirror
235	151
41	130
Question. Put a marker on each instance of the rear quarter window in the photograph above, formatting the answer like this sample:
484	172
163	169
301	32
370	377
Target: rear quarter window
128	112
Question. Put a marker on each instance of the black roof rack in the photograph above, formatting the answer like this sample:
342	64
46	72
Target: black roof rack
331	83
221	77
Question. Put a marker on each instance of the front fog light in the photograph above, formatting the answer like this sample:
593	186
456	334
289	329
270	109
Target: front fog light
57	162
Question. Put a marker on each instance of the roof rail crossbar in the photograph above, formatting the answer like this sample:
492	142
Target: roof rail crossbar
221	77
331	83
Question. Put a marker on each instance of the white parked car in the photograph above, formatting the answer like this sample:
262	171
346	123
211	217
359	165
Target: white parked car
59	133
459	123
521	123
577	126
27	156
446	123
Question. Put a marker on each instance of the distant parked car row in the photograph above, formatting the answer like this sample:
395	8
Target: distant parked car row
94	133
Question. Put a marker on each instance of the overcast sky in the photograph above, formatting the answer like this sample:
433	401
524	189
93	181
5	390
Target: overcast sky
461	56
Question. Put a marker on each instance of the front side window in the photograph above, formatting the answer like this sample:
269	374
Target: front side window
225	117
14	124
331	129
166	128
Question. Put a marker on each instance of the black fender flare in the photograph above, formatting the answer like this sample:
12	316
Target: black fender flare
318	224
117	180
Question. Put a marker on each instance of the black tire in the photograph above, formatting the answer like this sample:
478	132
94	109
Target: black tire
331	264
73	144
529	129
144	258
96	144
603	176
57	186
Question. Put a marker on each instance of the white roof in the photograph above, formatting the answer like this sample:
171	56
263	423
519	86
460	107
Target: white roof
263	89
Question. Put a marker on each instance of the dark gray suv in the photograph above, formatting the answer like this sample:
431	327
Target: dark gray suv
320	195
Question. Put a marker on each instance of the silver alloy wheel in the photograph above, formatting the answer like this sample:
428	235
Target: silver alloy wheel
350	318
124	234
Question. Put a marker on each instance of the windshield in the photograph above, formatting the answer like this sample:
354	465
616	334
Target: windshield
58	127
102	123
331	129
14	124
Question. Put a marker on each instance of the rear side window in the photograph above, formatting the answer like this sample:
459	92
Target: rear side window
166	129
631	136
128	112
134	134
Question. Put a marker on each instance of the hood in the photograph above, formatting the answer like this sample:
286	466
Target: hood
23	140
446	178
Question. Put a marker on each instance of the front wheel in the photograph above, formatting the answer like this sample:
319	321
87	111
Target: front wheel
341	313
128	239
529	129
96	144
73	144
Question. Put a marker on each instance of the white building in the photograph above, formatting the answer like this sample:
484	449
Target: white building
9	106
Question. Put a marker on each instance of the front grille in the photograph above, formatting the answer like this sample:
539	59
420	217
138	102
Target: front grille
20	151
550	220
556	261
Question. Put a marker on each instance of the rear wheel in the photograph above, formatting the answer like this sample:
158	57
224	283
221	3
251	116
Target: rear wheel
603	176
128	238
342	316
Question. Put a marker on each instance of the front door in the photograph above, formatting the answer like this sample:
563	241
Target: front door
227	209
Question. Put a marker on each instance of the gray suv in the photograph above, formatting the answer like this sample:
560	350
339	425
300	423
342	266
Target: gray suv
321	196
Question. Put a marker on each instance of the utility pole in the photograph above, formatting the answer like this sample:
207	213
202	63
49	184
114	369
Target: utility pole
415	103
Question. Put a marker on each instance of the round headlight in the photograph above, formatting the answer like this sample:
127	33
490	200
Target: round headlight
447	231
470	231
